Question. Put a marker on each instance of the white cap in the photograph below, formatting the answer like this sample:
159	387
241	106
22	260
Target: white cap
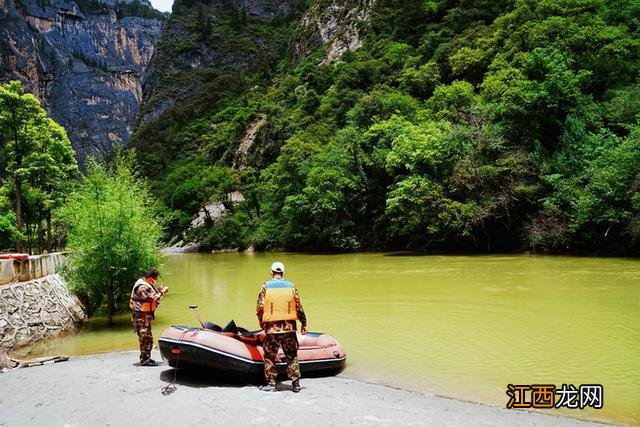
277	267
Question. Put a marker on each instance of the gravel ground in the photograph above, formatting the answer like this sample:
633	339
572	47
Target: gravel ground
108	389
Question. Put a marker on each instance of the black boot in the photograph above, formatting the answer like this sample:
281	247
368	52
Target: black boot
295	386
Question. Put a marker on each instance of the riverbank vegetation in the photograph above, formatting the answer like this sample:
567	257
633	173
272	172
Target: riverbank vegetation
476	126
37	170
106	219
113	236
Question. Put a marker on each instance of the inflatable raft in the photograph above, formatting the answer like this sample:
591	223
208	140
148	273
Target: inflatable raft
238	352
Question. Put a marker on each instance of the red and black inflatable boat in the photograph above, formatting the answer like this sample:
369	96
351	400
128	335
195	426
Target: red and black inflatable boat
235	351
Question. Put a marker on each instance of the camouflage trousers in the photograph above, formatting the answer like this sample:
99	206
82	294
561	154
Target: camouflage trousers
142	325
289	343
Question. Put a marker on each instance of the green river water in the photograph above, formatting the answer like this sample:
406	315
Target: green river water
458	326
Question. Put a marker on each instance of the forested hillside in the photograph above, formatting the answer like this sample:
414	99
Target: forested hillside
487	125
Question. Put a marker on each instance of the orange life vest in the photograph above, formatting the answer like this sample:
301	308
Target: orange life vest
138	304
279	301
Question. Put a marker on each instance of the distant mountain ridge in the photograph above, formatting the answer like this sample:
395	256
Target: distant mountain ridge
84	60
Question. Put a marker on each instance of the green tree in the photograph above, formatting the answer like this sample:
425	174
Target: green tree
421	81
20	113
329	212
421	213
322	216
39	161
607	209
113	235
283	178
8	231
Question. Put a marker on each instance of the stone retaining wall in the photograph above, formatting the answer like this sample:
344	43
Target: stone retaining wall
38	308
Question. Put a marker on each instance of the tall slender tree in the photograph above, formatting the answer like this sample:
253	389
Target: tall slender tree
113	235
38	159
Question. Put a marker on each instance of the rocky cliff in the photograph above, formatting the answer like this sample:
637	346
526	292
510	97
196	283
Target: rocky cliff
84	60
204	44
338	25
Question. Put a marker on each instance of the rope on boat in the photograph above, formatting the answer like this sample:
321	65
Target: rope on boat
171	387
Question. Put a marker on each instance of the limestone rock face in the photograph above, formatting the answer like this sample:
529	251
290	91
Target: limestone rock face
85	63
339	24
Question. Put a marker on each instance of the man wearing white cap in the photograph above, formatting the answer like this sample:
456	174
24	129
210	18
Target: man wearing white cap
278	309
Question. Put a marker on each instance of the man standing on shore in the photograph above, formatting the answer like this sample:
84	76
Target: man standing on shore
278	309
144	301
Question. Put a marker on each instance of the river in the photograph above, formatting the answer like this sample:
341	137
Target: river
459	326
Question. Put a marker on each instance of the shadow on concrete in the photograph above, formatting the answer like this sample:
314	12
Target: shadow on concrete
203	378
